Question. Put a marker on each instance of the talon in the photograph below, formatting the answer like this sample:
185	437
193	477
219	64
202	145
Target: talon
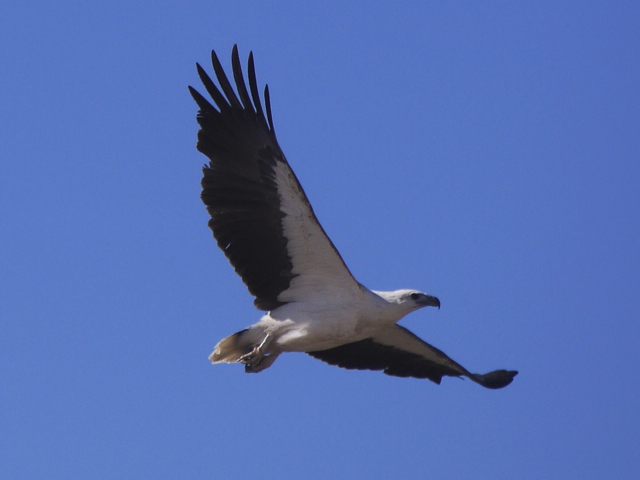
265	362
255	360
257	352
247	358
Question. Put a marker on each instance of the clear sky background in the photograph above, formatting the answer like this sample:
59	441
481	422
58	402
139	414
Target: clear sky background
484	152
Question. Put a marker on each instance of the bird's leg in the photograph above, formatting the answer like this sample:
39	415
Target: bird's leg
265	362
252	359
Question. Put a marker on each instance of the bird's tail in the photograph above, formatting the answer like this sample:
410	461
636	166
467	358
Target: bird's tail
230	349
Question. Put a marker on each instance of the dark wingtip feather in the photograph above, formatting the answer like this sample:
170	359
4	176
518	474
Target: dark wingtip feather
202	102
218	98
239	79
267	103
224	81
253	85
496	379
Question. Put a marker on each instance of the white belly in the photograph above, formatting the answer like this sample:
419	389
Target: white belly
306	328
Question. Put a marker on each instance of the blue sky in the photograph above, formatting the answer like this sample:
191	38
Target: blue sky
486	153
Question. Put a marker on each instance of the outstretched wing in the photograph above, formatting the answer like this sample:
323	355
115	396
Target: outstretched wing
260	215
400	353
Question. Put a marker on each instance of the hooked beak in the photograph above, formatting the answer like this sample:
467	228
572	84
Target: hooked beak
429	301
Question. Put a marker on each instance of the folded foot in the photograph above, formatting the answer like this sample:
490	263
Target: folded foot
256	361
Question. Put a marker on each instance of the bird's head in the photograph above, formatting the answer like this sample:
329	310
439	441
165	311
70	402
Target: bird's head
410	299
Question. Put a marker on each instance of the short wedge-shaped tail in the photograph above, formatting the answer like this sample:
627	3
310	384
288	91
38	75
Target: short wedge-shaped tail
231	348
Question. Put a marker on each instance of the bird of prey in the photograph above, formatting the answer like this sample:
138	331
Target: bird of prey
263	222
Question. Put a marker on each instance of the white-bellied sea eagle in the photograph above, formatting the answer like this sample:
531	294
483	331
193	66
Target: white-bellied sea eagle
264	224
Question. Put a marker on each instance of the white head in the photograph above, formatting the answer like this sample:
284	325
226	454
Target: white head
410	300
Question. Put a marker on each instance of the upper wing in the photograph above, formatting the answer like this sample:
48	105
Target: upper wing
260	215
400	353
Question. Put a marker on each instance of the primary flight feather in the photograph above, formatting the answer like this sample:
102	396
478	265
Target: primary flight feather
263	222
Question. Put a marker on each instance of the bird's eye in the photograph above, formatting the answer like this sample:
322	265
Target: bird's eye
414	296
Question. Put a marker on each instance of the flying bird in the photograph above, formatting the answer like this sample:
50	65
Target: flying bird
262	220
